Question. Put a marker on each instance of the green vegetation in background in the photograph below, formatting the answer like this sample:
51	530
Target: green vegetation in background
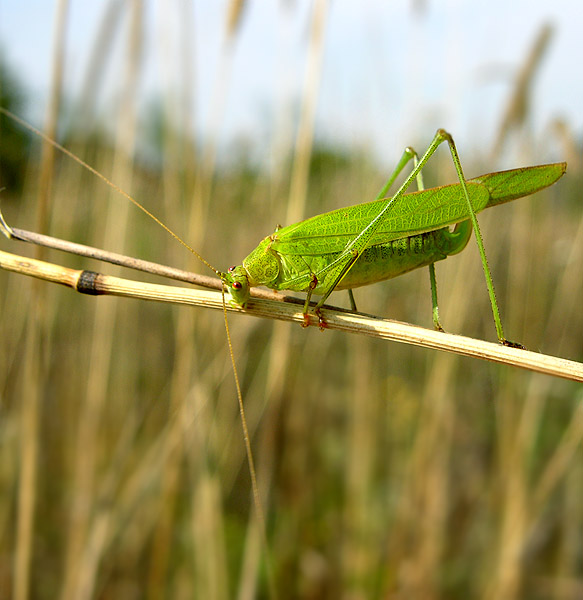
389	467
14	141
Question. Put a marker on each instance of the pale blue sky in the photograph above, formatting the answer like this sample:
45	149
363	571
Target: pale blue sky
391	76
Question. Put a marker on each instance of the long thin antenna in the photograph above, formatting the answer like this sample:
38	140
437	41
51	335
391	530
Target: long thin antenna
80	161
252	471
254	485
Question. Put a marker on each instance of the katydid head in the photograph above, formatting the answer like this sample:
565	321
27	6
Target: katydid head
237	283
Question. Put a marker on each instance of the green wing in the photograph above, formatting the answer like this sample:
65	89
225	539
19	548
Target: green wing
413	213
505	186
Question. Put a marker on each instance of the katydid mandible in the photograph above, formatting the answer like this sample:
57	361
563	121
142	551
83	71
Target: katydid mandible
362	244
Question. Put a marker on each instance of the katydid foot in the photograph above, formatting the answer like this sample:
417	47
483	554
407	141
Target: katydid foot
512	344
321	321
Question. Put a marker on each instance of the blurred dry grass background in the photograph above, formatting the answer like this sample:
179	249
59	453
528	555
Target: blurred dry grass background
385	471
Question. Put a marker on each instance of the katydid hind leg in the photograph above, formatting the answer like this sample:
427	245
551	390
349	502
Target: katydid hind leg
338	268
487	273
408	155
340	273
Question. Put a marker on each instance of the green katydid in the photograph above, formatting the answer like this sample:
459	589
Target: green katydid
370	242
362	244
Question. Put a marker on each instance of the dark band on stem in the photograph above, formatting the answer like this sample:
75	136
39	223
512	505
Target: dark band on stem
87	283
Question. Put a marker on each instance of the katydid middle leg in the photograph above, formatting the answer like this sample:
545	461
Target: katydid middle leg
434	306
432	278
408	155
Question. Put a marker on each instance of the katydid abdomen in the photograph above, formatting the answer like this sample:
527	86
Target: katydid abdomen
385	261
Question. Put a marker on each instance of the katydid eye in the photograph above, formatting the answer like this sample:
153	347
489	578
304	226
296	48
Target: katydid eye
231	269
237	285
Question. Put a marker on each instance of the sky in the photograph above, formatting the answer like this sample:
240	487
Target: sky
392	72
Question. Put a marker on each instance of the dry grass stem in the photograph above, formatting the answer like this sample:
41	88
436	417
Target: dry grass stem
284	311
382	470
127	261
